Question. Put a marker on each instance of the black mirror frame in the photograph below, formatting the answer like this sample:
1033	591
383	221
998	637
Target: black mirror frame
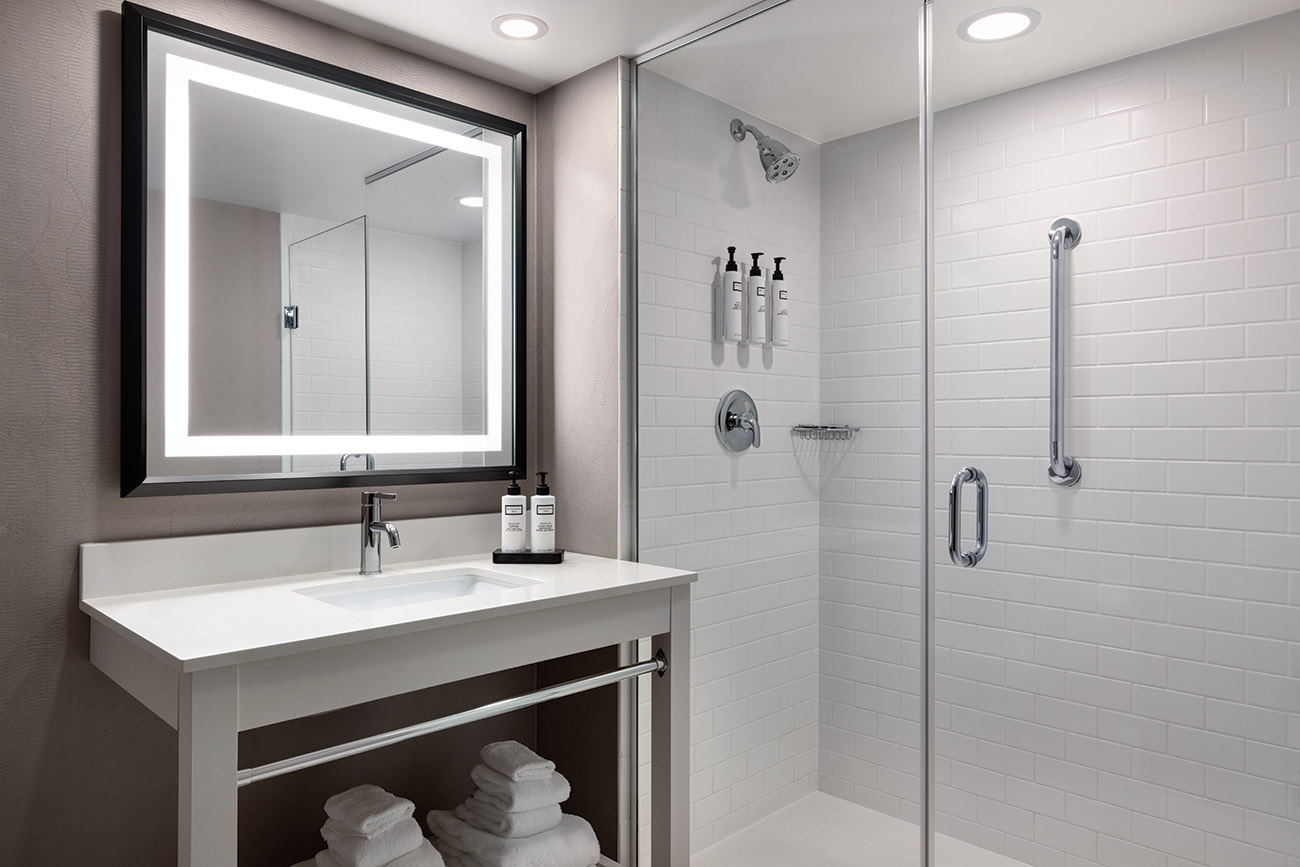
137	22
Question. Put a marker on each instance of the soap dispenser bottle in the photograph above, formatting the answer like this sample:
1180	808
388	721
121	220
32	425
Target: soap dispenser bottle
543	518
733	301
757	304
514	529
779	301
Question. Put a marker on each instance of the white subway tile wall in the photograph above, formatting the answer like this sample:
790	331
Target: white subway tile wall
747	523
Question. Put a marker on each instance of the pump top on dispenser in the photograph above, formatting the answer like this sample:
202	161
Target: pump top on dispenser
731	303
780	304
757	298
514	527
543	529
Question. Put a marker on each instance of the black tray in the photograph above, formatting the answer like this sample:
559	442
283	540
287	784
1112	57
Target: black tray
556	556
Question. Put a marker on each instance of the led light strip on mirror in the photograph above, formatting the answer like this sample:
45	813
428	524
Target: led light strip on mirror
182	72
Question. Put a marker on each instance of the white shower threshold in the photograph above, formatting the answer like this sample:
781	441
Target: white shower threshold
824	831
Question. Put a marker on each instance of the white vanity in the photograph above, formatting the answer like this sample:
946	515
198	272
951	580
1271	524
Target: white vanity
219	634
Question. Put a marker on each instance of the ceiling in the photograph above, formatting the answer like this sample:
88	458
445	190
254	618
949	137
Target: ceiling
779	66
583	33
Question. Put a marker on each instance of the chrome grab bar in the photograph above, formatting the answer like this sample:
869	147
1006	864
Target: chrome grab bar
1061	469
960	557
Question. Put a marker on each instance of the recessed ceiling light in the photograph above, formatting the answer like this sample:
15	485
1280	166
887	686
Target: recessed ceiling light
517	26
994	25
471	201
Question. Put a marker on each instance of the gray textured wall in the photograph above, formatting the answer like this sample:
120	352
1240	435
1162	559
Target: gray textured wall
89	775
577	179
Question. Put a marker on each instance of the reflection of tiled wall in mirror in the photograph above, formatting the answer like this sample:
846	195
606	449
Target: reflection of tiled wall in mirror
424	376
327	274
416	381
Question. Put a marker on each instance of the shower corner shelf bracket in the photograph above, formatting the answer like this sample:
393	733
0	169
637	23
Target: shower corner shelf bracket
824	431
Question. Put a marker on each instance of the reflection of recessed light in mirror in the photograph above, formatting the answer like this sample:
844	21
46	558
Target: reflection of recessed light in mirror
994	25
471	201
516	26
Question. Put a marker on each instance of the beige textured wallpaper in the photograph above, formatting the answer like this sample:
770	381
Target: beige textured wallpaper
89	775
577	179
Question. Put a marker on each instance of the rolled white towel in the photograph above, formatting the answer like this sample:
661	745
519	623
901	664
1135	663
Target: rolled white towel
516	761
486	817
367	810
350	849
501	791
572	843
423	855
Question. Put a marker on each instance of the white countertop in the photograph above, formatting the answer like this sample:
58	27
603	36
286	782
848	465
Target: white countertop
224	622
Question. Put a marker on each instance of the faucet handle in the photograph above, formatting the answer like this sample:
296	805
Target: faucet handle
369	498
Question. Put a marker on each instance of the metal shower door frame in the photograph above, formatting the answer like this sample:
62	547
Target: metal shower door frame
926	518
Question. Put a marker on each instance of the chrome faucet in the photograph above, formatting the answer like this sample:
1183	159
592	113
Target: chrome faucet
372	524
343	461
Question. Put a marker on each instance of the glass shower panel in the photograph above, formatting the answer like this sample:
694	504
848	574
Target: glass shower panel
1115	681
327	349
807	635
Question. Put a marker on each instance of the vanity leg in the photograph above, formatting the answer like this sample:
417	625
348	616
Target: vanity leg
209	738
670	740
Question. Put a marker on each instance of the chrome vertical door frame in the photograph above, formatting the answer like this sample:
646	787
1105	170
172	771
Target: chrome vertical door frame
926	44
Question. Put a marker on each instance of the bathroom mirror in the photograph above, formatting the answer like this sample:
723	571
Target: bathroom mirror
322	273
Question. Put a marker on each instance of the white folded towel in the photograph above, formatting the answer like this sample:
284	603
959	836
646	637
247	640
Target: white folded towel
572	843
423	855
452	856
516	761
501	791
367	810
350	849
486	817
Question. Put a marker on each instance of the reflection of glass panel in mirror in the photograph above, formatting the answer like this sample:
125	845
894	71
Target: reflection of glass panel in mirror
310	285
327	348
426	310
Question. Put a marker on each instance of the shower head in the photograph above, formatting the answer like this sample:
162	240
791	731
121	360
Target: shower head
779	162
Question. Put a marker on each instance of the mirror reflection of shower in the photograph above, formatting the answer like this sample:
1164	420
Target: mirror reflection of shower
779	162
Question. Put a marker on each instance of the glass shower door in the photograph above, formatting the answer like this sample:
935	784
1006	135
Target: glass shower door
1115	679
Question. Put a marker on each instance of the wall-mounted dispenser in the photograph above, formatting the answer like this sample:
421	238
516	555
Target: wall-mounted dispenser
756	297
778	299
730	306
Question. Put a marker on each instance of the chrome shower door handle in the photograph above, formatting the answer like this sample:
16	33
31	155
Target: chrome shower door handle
960	557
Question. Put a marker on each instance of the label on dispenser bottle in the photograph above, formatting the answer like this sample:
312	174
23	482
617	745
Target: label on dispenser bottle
514	510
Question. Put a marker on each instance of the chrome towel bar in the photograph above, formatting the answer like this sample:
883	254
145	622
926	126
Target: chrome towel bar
659	665
1061	469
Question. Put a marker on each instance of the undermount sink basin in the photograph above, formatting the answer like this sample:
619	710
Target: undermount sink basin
411	588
